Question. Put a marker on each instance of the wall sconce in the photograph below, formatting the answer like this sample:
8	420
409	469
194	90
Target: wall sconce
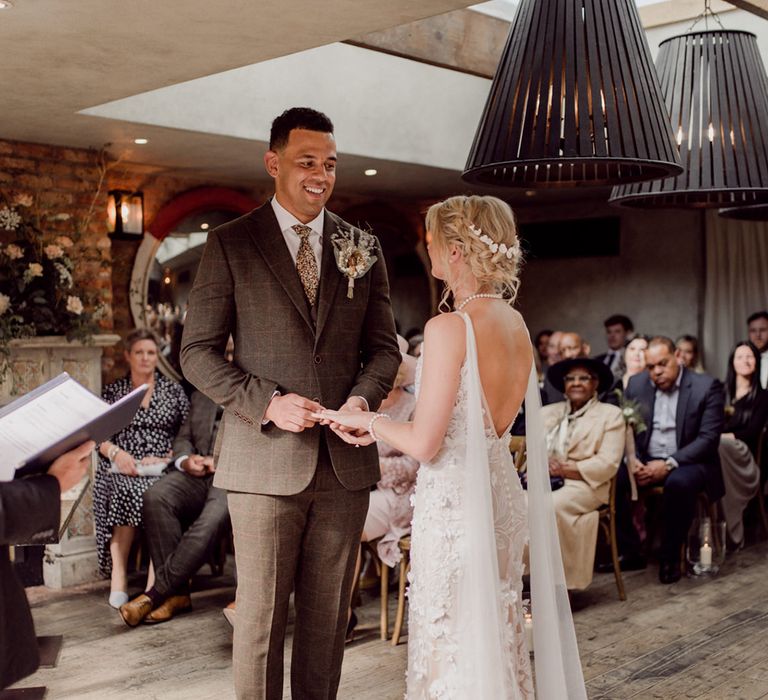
125	215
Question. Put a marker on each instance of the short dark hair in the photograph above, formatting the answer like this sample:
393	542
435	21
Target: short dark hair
662	340
617	319
758	314
297	118
137	335
541	334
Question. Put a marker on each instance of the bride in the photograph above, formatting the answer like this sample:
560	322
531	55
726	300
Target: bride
466	636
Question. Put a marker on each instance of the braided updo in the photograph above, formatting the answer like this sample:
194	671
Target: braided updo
458	219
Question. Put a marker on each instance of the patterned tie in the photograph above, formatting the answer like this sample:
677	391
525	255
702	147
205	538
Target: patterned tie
306	263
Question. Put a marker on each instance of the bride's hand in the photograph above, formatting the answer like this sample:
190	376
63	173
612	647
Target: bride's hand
352	420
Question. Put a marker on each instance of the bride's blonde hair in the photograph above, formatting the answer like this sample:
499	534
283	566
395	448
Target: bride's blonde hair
466	221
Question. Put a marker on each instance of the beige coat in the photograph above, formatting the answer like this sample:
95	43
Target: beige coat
596	446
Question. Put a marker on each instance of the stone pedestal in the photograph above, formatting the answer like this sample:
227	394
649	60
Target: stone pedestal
34	361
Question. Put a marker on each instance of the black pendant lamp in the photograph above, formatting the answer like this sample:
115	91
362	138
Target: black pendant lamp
575	101
758	212
714	86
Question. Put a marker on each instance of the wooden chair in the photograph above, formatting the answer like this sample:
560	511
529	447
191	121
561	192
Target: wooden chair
405	566
762	445
517	448
607	521
382	571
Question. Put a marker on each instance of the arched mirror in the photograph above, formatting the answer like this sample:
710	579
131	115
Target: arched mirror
167	260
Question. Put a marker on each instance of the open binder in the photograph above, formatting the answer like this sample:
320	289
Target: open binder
56	417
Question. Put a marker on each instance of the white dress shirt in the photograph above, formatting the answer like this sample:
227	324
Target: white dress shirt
287	221
764	369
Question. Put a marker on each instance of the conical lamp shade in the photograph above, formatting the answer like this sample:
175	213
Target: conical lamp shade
575	101
714	85
757	213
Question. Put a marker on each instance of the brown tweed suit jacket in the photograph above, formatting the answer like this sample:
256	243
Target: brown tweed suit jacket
247	285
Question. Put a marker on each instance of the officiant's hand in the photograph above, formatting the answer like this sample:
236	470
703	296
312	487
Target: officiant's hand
292	412
70	468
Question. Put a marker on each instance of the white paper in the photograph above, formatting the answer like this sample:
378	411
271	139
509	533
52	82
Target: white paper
43	421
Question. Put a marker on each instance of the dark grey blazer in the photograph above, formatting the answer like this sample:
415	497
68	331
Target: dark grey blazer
30	510
247	285
699	422
196	435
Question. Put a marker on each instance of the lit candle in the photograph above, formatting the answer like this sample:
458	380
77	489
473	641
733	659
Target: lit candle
705	555
529	631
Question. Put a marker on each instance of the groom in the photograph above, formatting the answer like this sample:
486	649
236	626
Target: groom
298	494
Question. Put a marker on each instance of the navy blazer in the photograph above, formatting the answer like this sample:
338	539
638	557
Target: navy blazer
699	422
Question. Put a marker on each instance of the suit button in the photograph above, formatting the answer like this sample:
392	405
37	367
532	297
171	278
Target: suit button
318	359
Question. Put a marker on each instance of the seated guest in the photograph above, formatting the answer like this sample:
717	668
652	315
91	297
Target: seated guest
618	331
390	510
585	441
757	327
118	488
746	414
541	344
570	345
688	352
30	512
183	515
633	361
679	451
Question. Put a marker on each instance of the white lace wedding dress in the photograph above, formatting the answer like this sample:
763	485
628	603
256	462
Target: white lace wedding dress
465	628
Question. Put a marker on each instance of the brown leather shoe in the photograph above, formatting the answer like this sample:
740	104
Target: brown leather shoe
134	611
173	605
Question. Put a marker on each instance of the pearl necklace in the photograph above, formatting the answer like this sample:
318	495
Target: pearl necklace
478	296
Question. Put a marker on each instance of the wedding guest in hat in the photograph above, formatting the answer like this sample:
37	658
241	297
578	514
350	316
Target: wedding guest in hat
585	441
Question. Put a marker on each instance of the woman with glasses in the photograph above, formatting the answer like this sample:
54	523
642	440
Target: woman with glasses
585	441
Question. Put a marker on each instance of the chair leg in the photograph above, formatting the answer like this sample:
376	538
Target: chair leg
615	559
384	622
404	567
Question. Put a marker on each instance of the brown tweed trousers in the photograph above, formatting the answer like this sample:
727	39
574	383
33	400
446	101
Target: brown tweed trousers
297	500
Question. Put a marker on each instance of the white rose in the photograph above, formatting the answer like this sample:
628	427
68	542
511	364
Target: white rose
35	270
74	305
14	252
53	251
5	303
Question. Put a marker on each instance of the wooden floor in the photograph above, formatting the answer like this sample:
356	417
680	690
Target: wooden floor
703	638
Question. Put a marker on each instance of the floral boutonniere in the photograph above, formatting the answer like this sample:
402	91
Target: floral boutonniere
632	412
353	257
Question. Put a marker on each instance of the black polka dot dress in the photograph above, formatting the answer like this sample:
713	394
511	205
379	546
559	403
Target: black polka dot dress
117	498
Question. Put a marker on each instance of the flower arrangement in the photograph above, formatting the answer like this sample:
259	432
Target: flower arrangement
353	257
632	412
38	293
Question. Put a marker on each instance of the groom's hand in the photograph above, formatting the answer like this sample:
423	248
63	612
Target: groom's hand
292	412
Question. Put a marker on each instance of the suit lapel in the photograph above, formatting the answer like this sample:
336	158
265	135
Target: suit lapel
268	238
329	274
682	405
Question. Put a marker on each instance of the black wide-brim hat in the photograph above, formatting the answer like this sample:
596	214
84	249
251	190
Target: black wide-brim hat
556	373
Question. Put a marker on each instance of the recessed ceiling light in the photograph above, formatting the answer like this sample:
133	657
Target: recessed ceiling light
139	142
371	172
5	4
204	227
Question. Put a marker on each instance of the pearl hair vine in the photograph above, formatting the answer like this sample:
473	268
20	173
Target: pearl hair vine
508	251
